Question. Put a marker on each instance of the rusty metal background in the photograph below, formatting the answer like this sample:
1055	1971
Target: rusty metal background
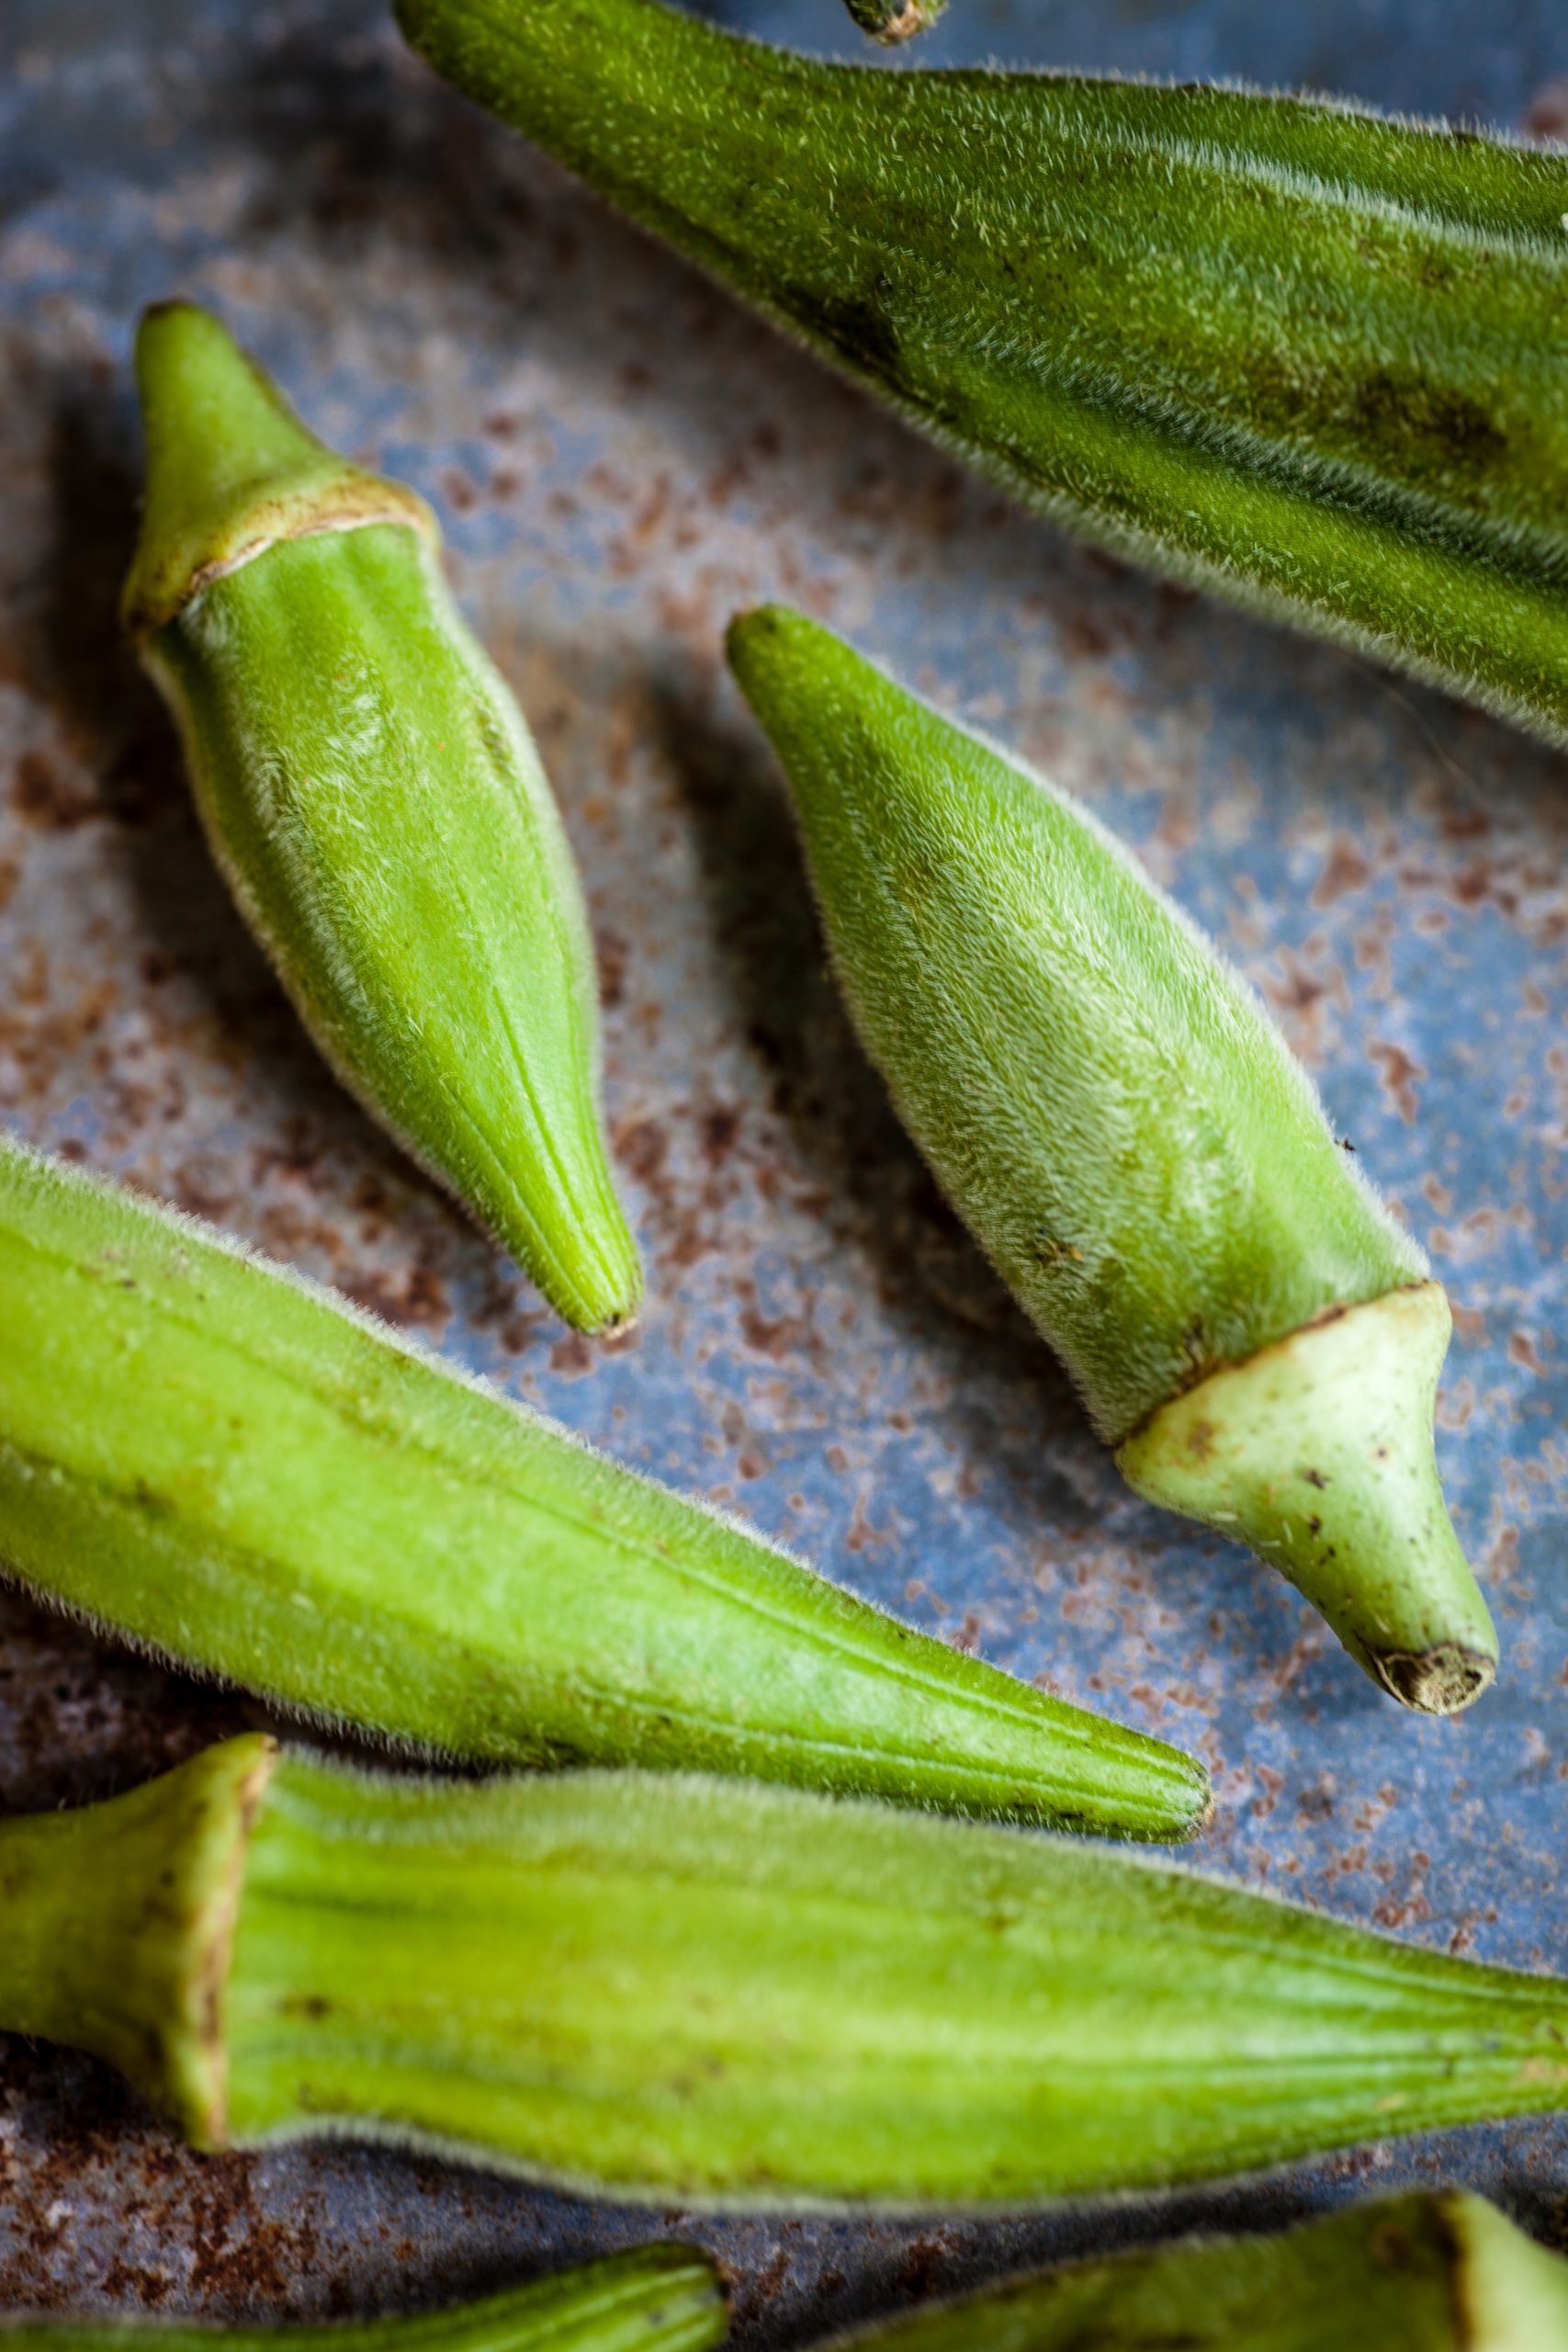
620	457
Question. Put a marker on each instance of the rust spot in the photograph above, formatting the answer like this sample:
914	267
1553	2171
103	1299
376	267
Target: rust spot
415	1295
642	1147
1200	1440
1344	869
1545	116
1399	1072
49	800
719	1129
611	952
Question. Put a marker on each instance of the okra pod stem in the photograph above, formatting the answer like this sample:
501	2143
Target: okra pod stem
1428	2272
232	1468
374	798
1279	348
655	2299
663	1985
1122	1127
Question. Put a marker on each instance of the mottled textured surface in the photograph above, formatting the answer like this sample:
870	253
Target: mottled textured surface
620	456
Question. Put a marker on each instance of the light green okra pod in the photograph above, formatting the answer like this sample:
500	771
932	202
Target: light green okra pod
1122	1127
666	1986
1427	2272
655	2299
1283	349
239	1472
372	794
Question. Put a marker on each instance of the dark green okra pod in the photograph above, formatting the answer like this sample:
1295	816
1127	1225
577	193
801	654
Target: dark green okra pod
1124	1130
655	2298
1429	2272
239	1472
709	1989
372	794
1278	347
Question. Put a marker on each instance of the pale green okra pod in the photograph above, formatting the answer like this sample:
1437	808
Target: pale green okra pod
1122	1127
655	2299
667	1987
1427	2272
1279	347
374	798
239	1472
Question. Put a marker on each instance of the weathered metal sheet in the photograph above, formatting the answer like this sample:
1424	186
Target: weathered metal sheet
620	457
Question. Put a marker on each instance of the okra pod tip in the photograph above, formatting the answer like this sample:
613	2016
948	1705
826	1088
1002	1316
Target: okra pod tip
375	801
1122	1127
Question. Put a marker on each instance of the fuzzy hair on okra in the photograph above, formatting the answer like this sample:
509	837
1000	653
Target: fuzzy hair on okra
1284	349
668	1986
1124	1130
654	2299
373	797
225	1463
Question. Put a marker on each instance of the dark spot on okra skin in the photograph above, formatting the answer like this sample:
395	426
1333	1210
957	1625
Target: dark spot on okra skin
1440	432
1315	1478
856	325
1390	2247
1200	1439
305	2005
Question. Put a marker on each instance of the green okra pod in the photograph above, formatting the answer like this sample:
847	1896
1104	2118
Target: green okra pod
374	798
655	2299
668	1986
1433	2272
1278	347
1122	1127
234	1470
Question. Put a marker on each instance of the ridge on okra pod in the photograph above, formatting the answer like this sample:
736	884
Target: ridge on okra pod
654	2299
1278	347
1124	1130
668	1986
1432	2271
232	1468
373	798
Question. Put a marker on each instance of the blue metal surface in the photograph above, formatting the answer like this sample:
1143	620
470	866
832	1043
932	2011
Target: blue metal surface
620	457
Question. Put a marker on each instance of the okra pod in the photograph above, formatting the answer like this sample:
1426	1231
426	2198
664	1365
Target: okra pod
655	2299
1429	2272
1122	1127
669	1986
239	1472
373	797
1280	348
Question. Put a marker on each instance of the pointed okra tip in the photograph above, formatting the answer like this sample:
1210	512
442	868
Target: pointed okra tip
788	668
1318	1453
231	469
